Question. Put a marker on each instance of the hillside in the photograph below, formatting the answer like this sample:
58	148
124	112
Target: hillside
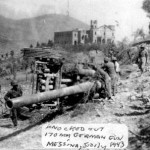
16	34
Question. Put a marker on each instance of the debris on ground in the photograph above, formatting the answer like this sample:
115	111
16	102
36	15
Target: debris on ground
131	106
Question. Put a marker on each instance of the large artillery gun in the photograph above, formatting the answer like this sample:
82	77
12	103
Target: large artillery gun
53	84
50	95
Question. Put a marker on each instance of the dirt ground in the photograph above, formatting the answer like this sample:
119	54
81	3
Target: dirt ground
131	107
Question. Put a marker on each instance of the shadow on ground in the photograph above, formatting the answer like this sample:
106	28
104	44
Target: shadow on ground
48	117
135	113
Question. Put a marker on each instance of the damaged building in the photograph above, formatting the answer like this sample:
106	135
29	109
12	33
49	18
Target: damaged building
103	34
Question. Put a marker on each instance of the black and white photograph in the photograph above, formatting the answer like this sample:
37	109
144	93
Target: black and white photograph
75	74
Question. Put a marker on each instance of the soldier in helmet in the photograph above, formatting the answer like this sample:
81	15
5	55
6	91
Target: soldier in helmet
110	69
102	76
117	66
142	58
14	92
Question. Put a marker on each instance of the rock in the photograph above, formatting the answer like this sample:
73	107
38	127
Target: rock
145	94
144	146
120	83
134	65
121	106
138	143
133	97
138	95
145	80
134	75
126	89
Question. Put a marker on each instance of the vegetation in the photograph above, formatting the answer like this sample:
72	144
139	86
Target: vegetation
139	33
48	44
146	6
38	44
105	48
25	64
31	46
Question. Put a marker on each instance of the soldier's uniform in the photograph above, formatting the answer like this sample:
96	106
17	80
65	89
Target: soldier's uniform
104	77
110	69
142	58
15	92
117	67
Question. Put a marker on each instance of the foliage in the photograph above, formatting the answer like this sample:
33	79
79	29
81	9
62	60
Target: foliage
139	33
6	55
37	44
122	45
31	46
121	49
11	53
48	44
105	48
27	63
43	45
146	5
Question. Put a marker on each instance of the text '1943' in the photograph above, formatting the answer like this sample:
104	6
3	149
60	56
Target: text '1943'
85	136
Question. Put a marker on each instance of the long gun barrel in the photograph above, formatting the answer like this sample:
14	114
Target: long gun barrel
49	95
87	72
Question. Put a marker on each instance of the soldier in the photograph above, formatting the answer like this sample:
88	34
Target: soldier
101	75
110	69
142	58
15	92
117	67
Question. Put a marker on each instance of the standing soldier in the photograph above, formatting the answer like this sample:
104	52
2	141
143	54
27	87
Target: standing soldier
15	92
110	69
117	67
129	55
102	76
142	58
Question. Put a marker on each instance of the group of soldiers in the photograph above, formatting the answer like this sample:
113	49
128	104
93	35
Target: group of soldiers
14	92
142	59
108	72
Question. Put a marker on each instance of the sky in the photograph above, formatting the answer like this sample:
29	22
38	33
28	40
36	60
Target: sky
128	13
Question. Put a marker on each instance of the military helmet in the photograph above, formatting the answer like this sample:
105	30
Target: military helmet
14	83
114	59
106	59
142	46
